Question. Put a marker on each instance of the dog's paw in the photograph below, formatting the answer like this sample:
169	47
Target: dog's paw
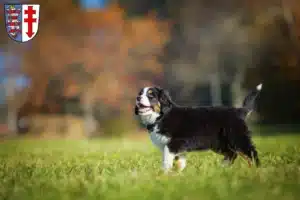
180	164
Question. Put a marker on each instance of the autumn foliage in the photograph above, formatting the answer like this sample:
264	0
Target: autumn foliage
96	55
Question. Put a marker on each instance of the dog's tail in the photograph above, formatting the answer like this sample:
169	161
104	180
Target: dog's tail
248	103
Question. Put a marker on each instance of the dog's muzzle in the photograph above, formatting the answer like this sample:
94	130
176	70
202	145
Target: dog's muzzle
142	109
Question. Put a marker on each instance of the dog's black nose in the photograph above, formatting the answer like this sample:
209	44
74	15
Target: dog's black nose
138	98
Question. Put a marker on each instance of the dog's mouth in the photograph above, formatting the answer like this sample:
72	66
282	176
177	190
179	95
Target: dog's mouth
143	108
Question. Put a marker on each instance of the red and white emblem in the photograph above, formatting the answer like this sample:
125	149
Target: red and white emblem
22	21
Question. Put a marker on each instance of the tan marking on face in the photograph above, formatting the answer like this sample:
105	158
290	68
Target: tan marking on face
156	108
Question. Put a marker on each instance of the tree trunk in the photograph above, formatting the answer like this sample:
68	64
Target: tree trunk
10	90
215	89
237	93
90	123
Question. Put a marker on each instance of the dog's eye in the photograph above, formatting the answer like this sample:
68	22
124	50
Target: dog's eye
150	95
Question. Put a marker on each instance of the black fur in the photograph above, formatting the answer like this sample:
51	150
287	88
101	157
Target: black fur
221	129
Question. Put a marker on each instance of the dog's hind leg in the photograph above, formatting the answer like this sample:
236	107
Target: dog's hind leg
224	147
252	155
246	148
229	157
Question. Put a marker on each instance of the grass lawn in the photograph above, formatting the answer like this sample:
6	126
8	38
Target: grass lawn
126	169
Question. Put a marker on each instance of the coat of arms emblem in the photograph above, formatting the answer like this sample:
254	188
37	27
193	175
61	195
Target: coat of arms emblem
22	21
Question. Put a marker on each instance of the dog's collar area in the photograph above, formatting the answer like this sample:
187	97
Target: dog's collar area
150	127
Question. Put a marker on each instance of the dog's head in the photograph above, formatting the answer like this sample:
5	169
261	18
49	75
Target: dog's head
151	103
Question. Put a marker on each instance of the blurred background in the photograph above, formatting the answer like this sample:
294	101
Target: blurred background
80	75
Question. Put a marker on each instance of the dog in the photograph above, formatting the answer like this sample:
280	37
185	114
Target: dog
176	129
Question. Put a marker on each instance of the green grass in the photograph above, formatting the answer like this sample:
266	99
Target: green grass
124	169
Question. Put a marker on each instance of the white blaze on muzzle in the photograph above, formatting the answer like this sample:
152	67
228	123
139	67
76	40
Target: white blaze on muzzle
144	99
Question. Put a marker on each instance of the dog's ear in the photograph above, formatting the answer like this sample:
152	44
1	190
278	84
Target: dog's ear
164	99
136	110
163	95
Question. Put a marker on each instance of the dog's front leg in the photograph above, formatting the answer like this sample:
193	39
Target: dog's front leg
168	159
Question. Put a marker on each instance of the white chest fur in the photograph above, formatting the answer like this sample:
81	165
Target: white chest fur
157	139
149	117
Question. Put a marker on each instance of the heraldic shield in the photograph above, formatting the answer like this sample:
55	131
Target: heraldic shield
22	21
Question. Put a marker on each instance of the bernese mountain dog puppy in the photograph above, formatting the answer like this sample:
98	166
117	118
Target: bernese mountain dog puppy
176	129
